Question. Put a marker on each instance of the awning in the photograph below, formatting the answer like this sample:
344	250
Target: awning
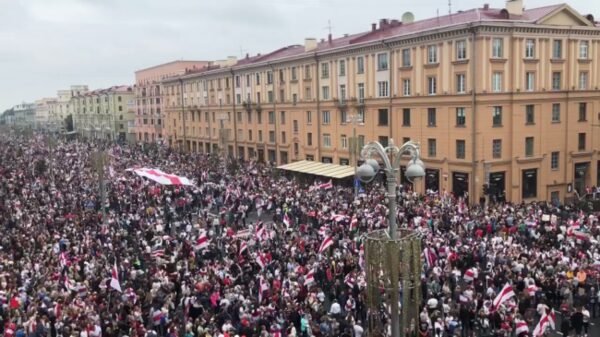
319	169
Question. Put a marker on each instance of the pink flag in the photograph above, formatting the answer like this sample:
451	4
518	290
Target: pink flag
114	280
504	295
325	244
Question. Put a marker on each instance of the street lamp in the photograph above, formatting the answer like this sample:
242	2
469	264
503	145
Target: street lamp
391	156
354	119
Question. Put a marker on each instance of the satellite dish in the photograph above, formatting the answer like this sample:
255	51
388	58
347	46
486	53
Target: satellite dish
408	17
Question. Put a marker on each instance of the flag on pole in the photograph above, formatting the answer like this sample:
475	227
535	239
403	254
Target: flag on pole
504	295
114	280
260	259
260	231
430	257
263	286
202	242
243	247
325	244
286	220
470	275
521	327
325	186
354	223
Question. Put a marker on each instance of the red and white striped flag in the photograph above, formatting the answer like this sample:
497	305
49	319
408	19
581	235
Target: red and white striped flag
310	278
286	220
521	327
263	286
337	217
69	284
325	244
547	320
114	279
325	186
531	289
157	316
354	223
202	242
260	231
430	257
504	295
260	259
470	275
64	260
349	280
243	247
158	252
579	235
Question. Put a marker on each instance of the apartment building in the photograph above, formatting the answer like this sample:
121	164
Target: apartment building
43	110
149	99
503	96
104	113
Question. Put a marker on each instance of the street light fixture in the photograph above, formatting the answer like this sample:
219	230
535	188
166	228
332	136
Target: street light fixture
391	156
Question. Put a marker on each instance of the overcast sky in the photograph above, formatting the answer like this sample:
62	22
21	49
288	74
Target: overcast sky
47	45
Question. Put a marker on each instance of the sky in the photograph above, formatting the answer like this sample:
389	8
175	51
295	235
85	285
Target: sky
48	45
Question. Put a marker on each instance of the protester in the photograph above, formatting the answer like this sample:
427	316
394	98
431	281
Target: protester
247	251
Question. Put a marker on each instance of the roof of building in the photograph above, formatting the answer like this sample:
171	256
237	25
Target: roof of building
390	29
115	89
170	63
319	169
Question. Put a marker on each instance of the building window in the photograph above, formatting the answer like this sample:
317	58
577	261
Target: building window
497	148
269	77
461	50
257	78
460	149
260	136
294	75
581	142
270	97
360	65
343	117
309	139
497	82
325	90
383	117
406	57
272	136
361	93
342	64
431	85
583	50
432	54
528	146
296	149
431	147
361	114
309	117
556	80
344	142
557	49
294	99
326	117
250	135
529	48
529	81
460	83
282	115
324	70
271	117
529	183
326	140
307	95
283	138
382	61
259	117
461	119
582	112
406	117
431	117
556	112
497	116
529	114
497	48
383	140
306	72
382	88
406	87
554	160
342	92
583	80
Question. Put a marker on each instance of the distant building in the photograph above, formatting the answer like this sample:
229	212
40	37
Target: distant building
500	96
43	109
149	97
104	113
23	115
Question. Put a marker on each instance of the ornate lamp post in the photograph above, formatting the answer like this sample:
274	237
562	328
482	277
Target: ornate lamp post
386	252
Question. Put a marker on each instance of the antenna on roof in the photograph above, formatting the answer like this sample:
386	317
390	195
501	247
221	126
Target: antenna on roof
437	11
449	7
328	26
241	52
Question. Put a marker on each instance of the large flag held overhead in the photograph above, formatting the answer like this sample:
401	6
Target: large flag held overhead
546	321
161	177
114	280
504	295
325	244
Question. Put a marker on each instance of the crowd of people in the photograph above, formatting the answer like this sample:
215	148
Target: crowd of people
243	253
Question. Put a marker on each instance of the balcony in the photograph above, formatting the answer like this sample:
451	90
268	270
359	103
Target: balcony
247	106
257	107
342	103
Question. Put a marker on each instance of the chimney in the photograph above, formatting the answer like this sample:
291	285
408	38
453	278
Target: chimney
395	23
514	7
247	56
486	6
329	38
383	23
310	43
373	27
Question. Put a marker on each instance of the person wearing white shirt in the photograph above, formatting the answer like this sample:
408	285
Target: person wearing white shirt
358	330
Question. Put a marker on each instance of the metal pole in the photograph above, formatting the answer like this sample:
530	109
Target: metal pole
394	293
355	154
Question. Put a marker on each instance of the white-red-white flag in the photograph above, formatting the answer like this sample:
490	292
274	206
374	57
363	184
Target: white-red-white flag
161	177
430	257
310	278
325	186
521	327
243	247
547	321
260	259
504	295
263	286
202	242
354	223
286	220
470	274
114	279
325	244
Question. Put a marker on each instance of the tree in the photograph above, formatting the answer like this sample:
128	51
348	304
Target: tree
40	167
69	123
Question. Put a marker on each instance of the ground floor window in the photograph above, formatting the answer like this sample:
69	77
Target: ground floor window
327	160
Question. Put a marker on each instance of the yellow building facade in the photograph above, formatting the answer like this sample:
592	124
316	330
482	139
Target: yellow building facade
503	96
